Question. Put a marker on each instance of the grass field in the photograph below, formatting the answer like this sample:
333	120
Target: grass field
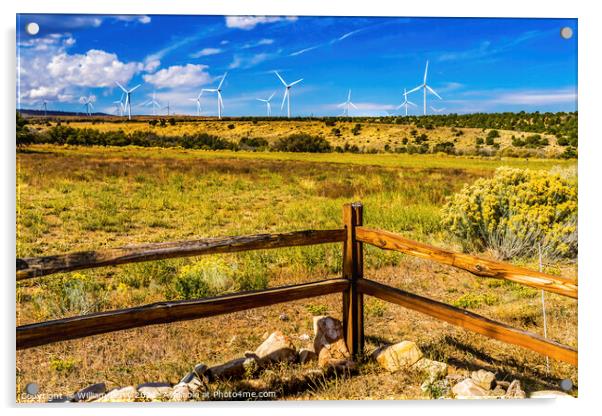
77	198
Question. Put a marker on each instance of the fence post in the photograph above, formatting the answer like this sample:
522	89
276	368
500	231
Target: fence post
353	269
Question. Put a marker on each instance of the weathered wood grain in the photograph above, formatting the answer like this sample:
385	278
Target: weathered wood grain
41	266
165	312
470	321
475	265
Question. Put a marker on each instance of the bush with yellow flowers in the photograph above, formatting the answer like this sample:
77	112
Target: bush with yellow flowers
516	212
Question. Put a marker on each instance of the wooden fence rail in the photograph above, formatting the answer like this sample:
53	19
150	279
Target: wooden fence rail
475	265
42	266
353	286
165	312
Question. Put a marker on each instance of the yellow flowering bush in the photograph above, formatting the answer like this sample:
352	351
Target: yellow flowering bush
515	211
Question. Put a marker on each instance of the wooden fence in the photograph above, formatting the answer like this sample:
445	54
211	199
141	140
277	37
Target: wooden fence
352	285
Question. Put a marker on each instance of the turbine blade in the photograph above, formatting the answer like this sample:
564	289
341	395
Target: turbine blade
278	75
414	89
433	91
426	70
121	86
296	82
135	88
284	98
353	105
342	104
349	96
271	96
411	103
222	81
219	99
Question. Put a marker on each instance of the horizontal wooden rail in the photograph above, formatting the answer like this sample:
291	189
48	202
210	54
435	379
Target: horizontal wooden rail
470	321
41	266
475	265
164	312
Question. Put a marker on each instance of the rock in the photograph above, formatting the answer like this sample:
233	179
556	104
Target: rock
283	317
155	391
328	341
236	368
549	394
304	337
306	355
435	370
200	370
398	356
339	366
454	378
125	394
498	392
91	392
188	377
468	389
276	348
196	385
483	378
514	391
180	393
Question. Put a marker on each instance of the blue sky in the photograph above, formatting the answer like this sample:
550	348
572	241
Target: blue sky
475	64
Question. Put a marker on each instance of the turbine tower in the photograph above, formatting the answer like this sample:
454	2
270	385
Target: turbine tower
87	102
198	102
346	105
425	87
44	107
287	93
119	107
128	97
153	102
405	102
267	103
167	107
218	90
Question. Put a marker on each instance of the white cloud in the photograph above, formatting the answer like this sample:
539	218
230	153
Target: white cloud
260	42
95	68
537	97
188	75
242	61
144	19
206	52
47	71
249	22
151	65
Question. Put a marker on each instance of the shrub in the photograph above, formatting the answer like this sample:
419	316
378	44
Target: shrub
231	126
514	211
253	143
303	143
493	134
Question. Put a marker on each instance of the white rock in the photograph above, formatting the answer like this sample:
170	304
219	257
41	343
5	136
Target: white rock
468	389
398	356
155	391
483	378
180	393
276	348
514	391
549	394
91	392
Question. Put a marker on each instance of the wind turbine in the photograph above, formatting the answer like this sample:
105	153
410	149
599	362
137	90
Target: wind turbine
425	87
218	90
167	107
153	103
119	107
346	105
287	93
87	102
128	98
198	102
405	102
267	103
44	106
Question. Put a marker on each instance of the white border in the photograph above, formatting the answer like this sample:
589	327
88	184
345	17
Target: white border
589	32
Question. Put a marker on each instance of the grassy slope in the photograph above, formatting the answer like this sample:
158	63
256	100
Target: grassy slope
371	136
87	198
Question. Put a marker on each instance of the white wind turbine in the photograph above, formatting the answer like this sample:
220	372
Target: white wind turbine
167	107
346	105
405	102
153	102
87	102
119	107
128	98
287	93
197	100
425	87
218	90
267	103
